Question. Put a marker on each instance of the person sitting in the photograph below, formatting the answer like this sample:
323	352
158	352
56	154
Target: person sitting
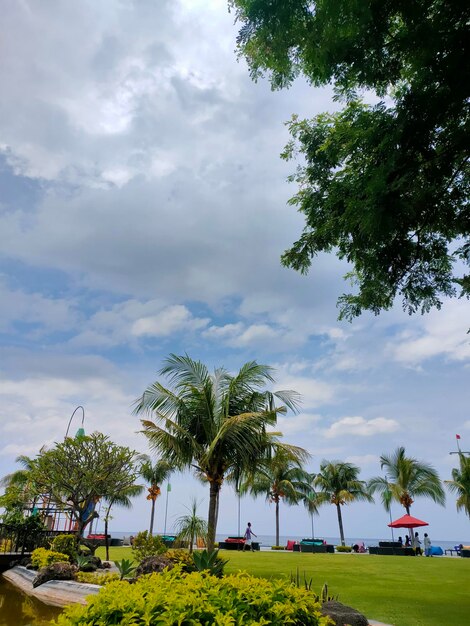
407	542
400	541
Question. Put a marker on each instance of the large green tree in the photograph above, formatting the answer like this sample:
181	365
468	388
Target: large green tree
338	483
77	473
281	477
460	484
384	185
155	474
212	422
406	478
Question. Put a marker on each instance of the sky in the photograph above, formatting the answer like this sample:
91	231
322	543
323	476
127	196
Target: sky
143	212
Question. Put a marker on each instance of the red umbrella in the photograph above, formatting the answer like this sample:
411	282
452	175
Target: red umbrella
408	521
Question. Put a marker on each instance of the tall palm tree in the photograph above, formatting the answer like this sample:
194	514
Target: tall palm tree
211	422
406	479
155	475
190	528
311	502
280	477
460	484
338	483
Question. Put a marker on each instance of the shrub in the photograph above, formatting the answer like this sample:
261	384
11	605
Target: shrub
145	545
181	557
198	598
41	557
278	548
125	567
343	549
210	562
66	544
96	578
55	571
153	564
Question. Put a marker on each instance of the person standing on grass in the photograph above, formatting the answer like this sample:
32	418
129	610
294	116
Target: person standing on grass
416	544
427	545
248	538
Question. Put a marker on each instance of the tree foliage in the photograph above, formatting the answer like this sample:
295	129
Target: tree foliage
212	422
77	473
406	479
460	484
384	185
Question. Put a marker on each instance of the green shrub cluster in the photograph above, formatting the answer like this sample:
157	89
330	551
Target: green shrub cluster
176	598
66	544
145	545
178	556
41	557
95	578
343	549
278	548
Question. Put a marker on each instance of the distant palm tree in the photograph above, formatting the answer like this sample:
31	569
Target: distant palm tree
460	484
190	528
211	422
406	479
338	483
155	475
311	502
280	477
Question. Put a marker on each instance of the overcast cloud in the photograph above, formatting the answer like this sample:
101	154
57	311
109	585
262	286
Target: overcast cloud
143	211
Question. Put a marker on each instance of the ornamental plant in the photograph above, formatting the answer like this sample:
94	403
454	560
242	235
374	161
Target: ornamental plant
41	557
198	598
66	544
145	545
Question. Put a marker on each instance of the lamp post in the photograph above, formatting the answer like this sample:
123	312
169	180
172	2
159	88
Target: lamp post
81	431
168	489
389	495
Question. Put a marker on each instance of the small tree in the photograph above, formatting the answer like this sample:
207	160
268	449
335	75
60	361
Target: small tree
190	528
78	472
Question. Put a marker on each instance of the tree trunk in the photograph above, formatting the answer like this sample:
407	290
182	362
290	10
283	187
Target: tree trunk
340	523
152	517
106	540
212	516
277	522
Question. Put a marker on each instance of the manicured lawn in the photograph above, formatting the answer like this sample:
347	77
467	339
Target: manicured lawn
403	591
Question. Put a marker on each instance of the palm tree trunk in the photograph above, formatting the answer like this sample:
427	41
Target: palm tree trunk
106	540
152	517
277	522
340	523
212	516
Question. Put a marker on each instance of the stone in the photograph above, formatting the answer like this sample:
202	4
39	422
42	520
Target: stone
343	615
153	564
55	571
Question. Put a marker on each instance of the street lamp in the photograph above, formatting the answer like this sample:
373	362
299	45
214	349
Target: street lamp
81	431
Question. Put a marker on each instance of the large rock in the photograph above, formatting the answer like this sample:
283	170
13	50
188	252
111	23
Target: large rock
56	571
153	564
343	615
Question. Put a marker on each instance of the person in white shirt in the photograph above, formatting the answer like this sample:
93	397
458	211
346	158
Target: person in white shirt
427	545
416	544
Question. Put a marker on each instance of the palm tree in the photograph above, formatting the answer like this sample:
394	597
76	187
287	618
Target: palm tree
211	422
155	475
280	477
337	483
311	502
190	528
460	484
123	498
406	479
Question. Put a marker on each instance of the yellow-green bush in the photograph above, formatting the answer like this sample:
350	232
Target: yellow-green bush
66	544
41	557
96	578
343	549
278	548
145	545
197	598
179	556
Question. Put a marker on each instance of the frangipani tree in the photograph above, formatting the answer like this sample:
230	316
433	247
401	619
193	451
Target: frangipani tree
212	422
406	479
338	483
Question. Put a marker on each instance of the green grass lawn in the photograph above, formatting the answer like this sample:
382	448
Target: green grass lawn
403	591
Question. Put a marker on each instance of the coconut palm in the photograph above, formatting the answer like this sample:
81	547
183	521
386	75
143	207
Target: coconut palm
406	479
190	528
155	475
460	484
338	483
211	422
311	502
280	477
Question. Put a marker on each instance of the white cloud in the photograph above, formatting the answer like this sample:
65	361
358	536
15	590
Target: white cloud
170	320
301	423
360	427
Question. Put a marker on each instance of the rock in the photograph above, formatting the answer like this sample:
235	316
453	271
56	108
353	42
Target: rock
343	615
56	571
153	564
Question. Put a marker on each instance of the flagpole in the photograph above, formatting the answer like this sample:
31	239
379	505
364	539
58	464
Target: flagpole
168	489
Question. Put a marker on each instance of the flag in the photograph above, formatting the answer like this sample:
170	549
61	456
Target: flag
168	487
457	436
